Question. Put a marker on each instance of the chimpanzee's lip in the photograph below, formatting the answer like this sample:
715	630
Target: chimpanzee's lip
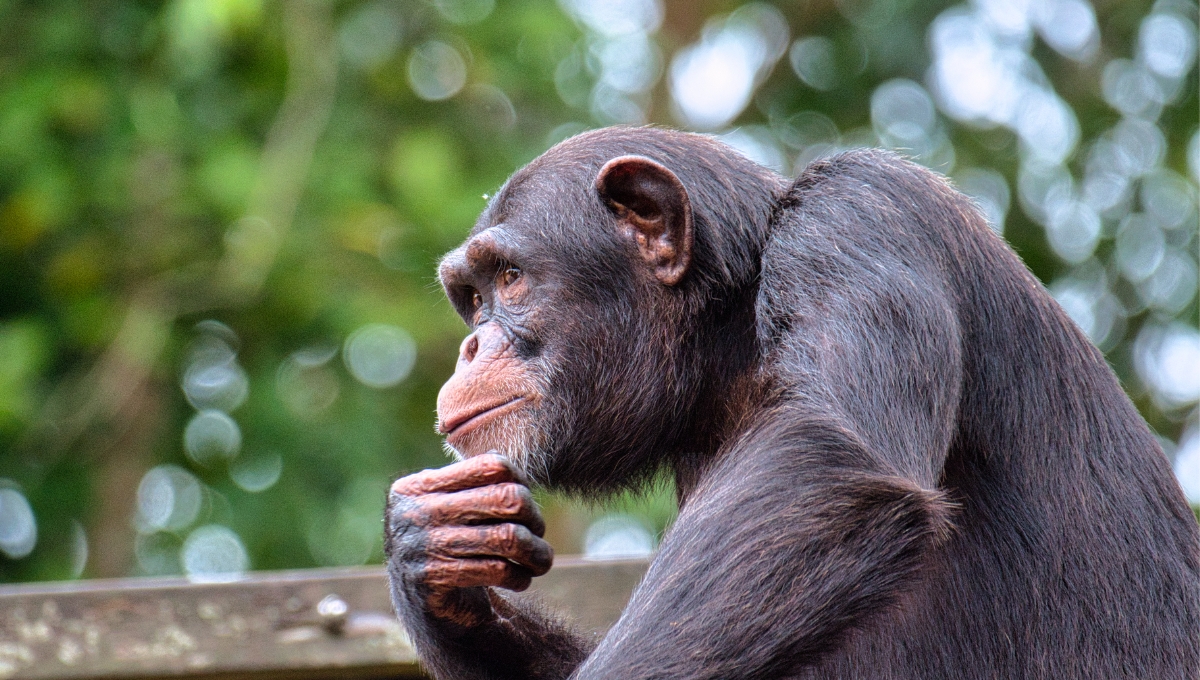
466	420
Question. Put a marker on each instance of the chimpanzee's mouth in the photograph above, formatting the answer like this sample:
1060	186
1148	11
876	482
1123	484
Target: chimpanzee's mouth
459	424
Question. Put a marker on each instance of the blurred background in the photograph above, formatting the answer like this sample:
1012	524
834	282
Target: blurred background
220	331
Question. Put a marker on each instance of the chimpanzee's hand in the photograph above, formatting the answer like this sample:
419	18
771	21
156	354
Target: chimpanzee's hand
454	531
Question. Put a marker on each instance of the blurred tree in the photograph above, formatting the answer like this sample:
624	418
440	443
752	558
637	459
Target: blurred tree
220	332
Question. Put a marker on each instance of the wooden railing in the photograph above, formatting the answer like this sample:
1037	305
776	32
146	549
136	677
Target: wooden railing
300	625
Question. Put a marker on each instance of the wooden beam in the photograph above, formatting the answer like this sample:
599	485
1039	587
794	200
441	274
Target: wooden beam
300	625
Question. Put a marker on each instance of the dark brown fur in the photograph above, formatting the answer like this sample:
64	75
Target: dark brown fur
897	457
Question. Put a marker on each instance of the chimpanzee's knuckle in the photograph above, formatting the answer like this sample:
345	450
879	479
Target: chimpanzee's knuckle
454	541
441	574
504	538
493	464
436	578
509	499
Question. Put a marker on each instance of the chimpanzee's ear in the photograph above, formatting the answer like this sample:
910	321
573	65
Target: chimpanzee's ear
653	209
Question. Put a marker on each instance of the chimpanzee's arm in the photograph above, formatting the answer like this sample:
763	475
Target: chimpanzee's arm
452	532
796	536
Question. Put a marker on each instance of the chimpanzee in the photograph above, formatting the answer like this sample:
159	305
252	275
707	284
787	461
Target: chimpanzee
895	455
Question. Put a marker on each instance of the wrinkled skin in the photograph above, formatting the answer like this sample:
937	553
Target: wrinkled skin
454	535
457	530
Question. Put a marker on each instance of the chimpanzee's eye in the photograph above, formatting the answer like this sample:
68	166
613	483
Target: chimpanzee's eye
510	275
476	300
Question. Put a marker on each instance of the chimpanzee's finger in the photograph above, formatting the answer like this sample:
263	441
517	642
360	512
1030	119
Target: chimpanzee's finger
506	502
511	542
444	574
481	470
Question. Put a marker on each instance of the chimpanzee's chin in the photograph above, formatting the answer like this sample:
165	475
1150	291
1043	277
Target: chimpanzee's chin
523	446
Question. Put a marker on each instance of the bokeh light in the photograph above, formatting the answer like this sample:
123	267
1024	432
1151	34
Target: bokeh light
984	77
1085	296
214	553
18	527
214	380
351	535
305	382
436	71
904	119
258	473
990	191
814	62
210	436
1068	26
1172	286
758	144
1187	463
614	18
617	536
369	36
79	549
1168	361
613	68
491	107
465	11
168	499
380	355
157	553
1073	229
712	81
1167	44
213	383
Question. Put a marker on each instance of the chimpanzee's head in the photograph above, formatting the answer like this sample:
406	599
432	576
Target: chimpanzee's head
609	289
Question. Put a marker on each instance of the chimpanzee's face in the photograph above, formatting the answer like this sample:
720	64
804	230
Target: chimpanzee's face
562	285
491	401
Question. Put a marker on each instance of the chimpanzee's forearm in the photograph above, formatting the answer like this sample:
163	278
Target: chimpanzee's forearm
522	641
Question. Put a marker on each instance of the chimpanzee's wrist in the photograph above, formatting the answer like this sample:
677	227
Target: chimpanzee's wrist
460	613
455	628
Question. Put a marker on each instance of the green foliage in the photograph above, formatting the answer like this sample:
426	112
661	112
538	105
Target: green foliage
270	166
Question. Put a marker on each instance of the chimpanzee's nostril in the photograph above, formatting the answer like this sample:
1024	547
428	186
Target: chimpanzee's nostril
470	348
